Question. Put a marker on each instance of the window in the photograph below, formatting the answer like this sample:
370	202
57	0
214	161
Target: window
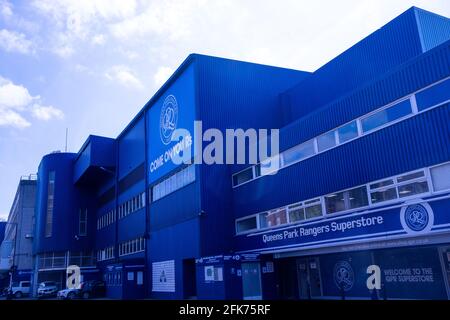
297	153
246	224
268	166
345	200
173	183
348	132
412	189
140	278
313	209
273	218
393	188
296	213
143	199
326	141
416	184
399	187
50	202
132	246
82	226
440	176
243	176
387	115
383	191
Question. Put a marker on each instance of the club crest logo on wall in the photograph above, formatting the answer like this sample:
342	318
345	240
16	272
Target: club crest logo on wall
417	217
344	277
168	119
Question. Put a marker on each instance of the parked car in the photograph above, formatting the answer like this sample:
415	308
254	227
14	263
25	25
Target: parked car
20	289
68	294
47	289
93	288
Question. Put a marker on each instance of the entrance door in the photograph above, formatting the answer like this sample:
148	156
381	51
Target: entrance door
445	262
189	279
308	275
251	281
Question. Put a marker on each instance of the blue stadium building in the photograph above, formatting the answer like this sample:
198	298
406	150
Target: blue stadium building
363	185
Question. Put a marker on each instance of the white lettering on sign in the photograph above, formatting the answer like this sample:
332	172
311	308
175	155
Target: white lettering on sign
172	153
334	226
409	275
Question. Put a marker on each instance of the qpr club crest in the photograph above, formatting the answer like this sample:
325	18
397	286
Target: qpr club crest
344	277
417	217
168	119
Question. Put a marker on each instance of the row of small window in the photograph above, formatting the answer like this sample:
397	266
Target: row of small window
174	182
132	205
105	254
106	219
132	246
113	278
352	130
380	192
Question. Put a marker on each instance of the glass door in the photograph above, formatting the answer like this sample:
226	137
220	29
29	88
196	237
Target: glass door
309	281
251	281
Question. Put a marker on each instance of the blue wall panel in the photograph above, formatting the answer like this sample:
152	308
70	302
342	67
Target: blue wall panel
417	142
434	29
179	206
132	148
176	242
67	202
234	94
179	97
434	95
401	81
132	226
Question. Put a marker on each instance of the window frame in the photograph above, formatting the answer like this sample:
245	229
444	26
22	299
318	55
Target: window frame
433	189
83	213
384	108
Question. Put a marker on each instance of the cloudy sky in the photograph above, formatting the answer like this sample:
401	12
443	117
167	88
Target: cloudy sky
90	65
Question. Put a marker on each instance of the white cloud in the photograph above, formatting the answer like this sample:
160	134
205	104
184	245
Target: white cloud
12	41
161	75
124	76
13	96
75	21
98	39
171	19
13	119
46	112
6	9
15	100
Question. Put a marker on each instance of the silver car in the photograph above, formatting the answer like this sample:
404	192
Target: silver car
68	294
47	289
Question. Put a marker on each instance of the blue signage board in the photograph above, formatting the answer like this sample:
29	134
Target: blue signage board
174	110
414	219
412	273
406	273
345	274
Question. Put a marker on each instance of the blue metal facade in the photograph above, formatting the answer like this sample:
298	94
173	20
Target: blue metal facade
183	242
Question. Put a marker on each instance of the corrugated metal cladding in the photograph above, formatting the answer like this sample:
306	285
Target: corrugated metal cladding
233	94
131	148
434	29
403	80
176	207
393	44
66	203
414	143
